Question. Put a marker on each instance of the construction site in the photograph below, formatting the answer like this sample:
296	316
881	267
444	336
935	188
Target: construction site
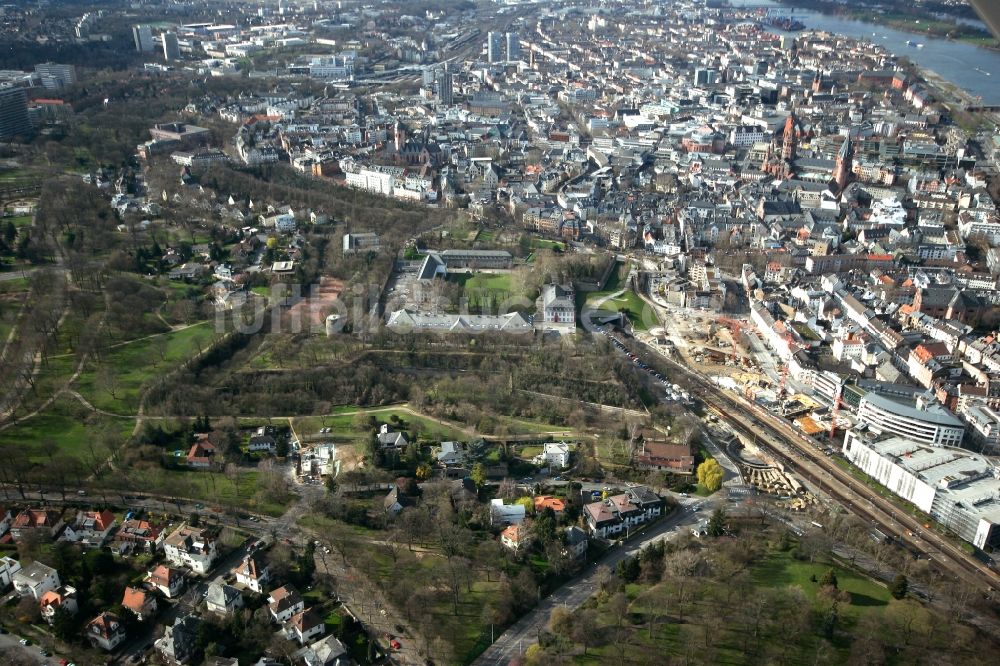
732	352
767	475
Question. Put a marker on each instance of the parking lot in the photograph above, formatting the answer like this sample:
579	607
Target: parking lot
672	392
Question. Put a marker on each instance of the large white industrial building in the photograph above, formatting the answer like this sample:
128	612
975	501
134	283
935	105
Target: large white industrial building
956	487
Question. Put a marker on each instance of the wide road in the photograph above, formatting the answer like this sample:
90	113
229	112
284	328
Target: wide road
525	631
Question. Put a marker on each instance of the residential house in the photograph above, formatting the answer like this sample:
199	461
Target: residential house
63	597
223	599
179	643
304	626
514	537
506	514
601	520
105	631
49	523
555	454
283	603
621	513
34	580
8	567
660	455
139	534
5	520
262	441
91	529
395	501
201	454
388	439
191	547
543	502
576	542
169	581
141	603
451	454
327	651
253	573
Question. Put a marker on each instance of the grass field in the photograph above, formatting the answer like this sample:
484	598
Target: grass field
213	488
342	421
780	570
15	286
545	244
18	220
69	428
135	363
641	315
482	289
343	424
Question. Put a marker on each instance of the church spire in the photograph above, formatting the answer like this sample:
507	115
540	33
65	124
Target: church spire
844	163
788	143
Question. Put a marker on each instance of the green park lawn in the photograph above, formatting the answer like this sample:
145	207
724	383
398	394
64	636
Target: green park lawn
777	570
343	425
213	487
546	244
781	570
640	314
133	364
484	288
69	429
15	286
342	421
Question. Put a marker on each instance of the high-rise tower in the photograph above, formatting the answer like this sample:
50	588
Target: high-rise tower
13	112
494	47
143	36
171	47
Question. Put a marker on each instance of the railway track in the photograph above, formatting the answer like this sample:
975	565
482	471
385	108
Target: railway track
799	453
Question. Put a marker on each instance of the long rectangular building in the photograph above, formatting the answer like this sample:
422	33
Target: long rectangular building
956	487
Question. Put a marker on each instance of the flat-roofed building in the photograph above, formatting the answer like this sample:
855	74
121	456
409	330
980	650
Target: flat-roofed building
922	420
957	488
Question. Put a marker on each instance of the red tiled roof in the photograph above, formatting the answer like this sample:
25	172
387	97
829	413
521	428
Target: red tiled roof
134	599
543	502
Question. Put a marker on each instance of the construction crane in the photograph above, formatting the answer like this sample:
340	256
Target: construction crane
736	327
784	378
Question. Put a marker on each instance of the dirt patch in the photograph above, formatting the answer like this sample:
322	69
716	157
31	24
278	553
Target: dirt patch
312	310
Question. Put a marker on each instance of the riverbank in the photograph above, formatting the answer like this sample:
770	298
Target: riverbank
922	23
957	101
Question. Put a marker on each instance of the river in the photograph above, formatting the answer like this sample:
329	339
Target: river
973	69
